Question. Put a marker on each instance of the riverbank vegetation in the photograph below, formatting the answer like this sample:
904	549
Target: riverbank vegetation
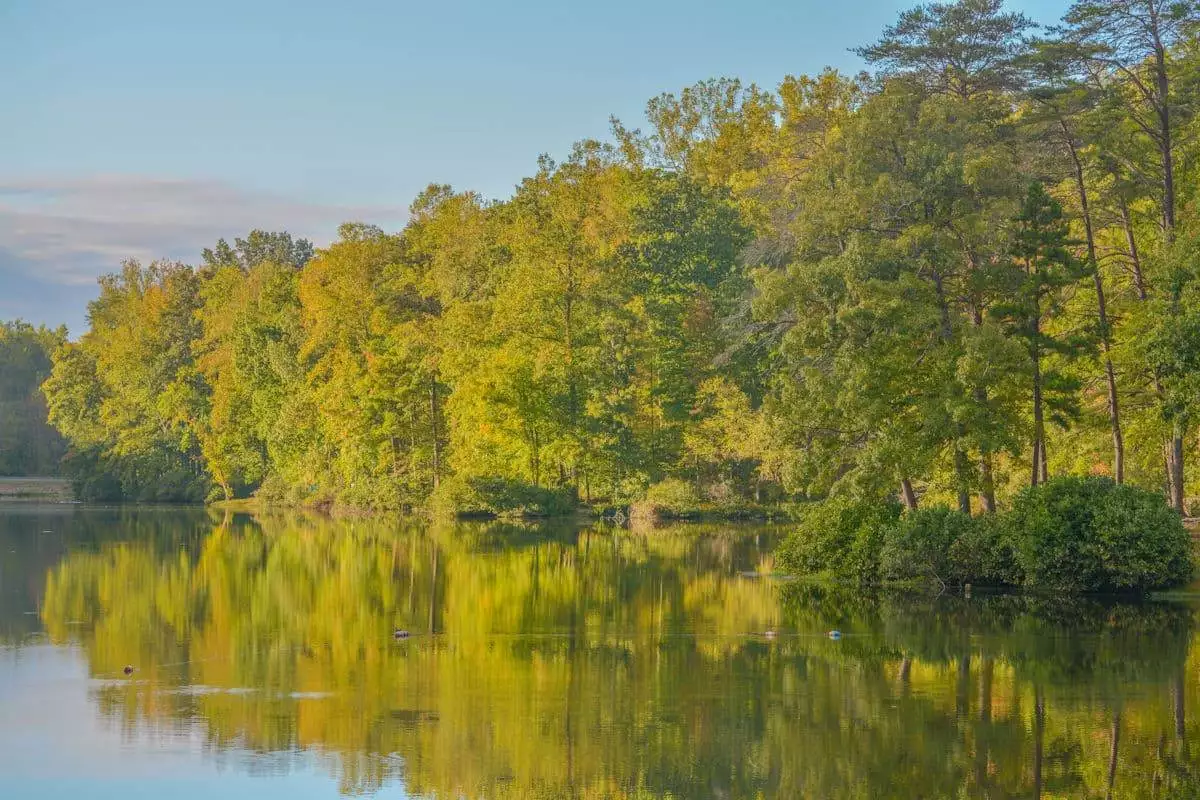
956	276
29	446
1066	535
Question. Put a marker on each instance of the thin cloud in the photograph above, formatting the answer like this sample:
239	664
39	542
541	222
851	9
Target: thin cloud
67	231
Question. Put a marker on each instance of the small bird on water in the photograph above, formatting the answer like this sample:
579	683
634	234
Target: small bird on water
399	633
834	634
128	669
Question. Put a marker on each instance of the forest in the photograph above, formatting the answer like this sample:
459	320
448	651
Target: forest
965	271
28	444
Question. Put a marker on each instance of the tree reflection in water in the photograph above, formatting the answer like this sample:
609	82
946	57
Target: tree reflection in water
609	663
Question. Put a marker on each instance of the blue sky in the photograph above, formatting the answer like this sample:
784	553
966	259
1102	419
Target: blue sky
148	129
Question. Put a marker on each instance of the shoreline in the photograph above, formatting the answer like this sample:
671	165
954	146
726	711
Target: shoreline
35	489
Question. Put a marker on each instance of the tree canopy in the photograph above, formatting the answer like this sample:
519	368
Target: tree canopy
965	272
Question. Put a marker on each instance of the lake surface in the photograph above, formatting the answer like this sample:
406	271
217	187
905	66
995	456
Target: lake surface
545	663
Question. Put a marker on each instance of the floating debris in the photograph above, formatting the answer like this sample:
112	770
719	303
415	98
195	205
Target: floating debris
400	633
834	634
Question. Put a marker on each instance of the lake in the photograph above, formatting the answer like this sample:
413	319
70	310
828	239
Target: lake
545	662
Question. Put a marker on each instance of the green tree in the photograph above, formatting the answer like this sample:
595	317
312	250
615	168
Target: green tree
1133	44
1043	267
965	48
28	445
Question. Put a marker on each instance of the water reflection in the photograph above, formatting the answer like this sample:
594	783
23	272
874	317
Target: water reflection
605	663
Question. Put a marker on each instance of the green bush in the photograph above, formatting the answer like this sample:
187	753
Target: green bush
670	498
982	554
1067	535
98	478
1051	527
841	537
918	545
500	497
1143	544
1089	534
947	547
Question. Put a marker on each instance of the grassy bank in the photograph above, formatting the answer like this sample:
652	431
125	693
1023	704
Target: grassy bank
35	490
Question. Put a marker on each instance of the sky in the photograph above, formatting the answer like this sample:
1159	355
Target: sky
141	129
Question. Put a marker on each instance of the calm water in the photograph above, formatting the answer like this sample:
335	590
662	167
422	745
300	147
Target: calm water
551	663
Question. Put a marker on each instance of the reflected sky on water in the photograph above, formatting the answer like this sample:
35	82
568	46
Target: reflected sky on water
556	661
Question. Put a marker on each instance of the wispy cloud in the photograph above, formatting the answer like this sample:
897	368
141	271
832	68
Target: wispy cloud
67	231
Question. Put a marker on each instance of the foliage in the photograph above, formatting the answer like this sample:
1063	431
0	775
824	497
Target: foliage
497	497
1066	535
1091	534
982	553
946	547
670	498
839	537
959	275
28	445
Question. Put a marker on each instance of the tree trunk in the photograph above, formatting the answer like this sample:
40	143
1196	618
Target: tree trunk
1114	412
1039	425
1114	417
1175	468
433	424
988	491
1035	472
961	465
907	494
535	457
1135	259
1173	449
1166	151
1045	471
1165	147
987	487
962	472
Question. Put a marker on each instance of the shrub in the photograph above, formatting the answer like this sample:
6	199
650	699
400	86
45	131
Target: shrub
1067	535
670	498
91	480
918	545
1142	541
947	547
1089	534
500	497
1051	528
96	477
841	537
982	553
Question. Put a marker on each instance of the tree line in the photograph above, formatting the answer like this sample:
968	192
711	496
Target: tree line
956	275
28	444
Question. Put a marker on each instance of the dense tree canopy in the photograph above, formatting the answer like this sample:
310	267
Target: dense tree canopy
948	279
28	445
